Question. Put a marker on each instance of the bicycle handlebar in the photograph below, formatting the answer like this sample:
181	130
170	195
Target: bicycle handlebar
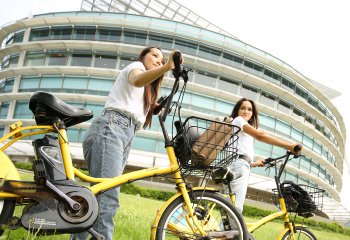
177	71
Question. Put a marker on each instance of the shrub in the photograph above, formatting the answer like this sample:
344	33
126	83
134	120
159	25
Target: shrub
25	166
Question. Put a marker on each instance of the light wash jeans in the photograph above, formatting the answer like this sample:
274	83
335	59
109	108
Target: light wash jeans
106	147
240	185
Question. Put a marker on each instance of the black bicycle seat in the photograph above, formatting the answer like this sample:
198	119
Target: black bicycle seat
46	107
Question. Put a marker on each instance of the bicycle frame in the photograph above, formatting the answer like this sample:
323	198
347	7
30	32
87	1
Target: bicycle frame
9	171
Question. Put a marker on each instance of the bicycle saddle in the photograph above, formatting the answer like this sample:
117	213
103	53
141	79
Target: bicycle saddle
225	175
46	107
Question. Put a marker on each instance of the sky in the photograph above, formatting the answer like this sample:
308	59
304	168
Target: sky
312	36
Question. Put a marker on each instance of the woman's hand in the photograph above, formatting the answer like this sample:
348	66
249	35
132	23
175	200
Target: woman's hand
170	64
292	146
259	163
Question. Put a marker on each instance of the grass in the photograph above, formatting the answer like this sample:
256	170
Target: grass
135	218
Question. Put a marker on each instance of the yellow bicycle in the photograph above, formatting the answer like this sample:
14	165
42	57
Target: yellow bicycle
290	197
56	204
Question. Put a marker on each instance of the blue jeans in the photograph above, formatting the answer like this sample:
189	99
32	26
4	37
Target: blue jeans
240	185
106	147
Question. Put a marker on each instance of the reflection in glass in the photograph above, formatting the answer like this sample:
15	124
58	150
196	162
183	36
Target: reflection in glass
84	33
186	46
134	37
269	99
253	68
108	34
39	34
61	33
74	84
205	78
56	59
81	59
250	92
125	61
229	85
232	60
34	59
51	83
105	61
272	76
160	41
210	53
29	84
285	107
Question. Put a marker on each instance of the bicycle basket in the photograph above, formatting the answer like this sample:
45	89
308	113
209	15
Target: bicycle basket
202	143
301	198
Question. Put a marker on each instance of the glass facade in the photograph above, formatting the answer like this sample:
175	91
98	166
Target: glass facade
190	40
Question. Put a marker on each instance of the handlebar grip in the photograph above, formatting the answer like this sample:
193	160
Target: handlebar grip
161	101
297	148
177	71
267	160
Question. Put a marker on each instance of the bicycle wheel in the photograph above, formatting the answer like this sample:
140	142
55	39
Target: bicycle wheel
218	217
7	207
301	234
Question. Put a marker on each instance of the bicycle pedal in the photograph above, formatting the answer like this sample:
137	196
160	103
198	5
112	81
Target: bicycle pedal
13	223
95	235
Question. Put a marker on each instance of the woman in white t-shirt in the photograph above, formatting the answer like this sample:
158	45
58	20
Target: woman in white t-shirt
245	115
108	140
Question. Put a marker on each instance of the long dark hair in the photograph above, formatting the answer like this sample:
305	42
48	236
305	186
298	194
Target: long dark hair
254	120
150	93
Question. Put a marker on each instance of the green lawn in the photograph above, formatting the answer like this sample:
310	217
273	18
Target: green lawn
135	218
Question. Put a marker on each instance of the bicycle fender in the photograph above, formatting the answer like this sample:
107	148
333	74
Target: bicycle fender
161	211
7	170
286	230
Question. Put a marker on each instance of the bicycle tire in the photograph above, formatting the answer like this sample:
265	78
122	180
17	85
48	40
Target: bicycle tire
301	233
7	207
174	216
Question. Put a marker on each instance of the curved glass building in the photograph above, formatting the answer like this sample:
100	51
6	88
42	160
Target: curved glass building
78	55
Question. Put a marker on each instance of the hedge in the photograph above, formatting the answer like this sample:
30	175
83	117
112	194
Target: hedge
248	211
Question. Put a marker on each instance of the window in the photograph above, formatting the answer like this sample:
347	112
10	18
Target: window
205	78
22	110
319	126
161	41
51	83
205	103
305	164
15	37
72	134
61	33
145	143
289	84
54	58
285	107
283	128
39	34
253	67
87	33
269	99
108	34
134	37
105	61
82	132
74	84
186	46
262	148
229	85
8	85
297	135
310	119
223	107
210	53
34	59
292	176
272	76
308	141
302	92
4	110
317	147
81	59
125	61
298	113
312	101
250	92
100	86
11	62
29	83
95	107
232	60
267	122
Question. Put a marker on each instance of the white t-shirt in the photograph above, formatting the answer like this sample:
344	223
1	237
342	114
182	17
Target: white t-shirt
245	143
126	98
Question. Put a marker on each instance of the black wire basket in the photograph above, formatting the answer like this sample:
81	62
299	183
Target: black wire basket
300	198
202	144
